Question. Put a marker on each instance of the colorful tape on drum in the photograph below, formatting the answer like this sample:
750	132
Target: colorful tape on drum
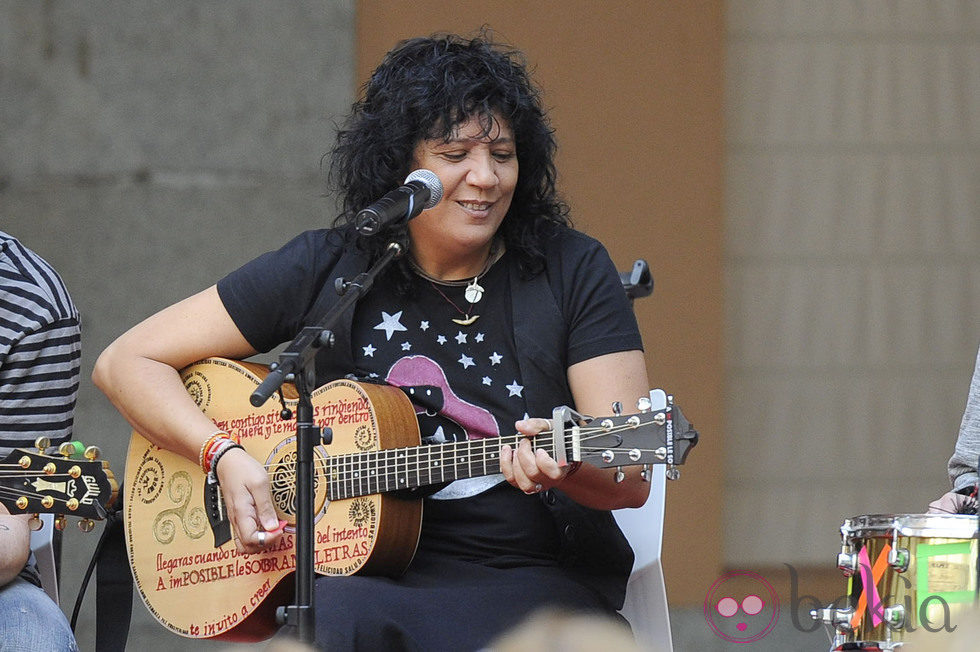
908	576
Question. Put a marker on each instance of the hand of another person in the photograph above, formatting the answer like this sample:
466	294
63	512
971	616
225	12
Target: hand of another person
531	470
952	502
245	487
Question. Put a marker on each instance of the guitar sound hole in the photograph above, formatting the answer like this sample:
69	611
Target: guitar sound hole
282	477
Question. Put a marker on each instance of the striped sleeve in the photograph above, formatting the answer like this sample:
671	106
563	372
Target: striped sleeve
40	350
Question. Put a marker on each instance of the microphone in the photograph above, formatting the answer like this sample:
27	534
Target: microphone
422	190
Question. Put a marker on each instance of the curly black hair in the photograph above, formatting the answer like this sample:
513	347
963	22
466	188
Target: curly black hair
423	89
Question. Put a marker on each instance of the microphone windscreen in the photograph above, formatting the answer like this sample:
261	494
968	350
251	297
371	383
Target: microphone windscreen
431	181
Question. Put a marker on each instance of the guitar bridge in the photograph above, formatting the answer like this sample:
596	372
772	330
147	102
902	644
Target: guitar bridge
214	506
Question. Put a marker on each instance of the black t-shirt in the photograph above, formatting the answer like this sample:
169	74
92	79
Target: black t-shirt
412	342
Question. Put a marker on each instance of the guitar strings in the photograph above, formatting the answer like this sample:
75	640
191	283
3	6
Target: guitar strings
348	469
15	493
430	451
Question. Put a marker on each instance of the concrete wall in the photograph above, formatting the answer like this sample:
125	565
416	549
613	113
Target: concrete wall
148	148
853	226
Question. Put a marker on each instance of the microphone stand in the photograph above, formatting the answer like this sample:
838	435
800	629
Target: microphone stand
297	364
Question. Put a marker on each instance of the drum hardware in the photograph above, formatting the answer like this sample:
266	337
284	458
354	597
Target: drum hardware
847	562
895	616
898	558
837	617
923	566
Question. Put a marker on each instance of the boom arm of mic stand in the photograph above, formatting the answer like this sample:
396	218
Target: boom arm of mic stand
303	349
297	362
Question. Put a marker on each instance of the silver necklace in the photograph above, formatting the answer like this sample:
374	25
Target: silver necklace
473	292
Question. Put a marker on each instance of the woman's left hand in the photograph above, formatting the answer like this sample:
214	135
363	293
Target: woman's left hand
530	469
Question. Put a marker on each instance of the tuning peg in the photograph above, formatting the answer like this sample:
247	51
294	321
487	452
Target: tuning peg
620	476
72	449
60	522
617	408
35	522
42	443
86	525
643	404
673	472
92	453
645	473
47	502
72	504
49	468
21	502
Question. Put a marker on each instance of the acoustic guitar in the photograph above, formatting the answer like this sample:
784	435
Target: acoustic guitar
190	574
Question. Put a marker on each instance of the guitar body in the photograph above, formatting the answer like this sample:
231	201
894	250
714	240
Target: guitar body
201	591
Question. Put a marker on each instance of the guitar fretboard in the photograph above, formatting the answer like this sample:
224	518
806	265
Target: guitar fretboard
372	472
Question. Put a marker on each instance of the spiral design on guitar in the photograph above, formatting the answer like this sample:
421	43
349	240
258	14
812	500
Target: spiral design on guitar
193	523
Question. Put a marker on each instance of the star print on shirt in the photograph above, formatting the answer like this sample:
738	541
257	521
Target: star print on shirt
479	337
487	381
390	323
424	326
514	389
406	346
461	337
441	339
369	351
495	358
466	361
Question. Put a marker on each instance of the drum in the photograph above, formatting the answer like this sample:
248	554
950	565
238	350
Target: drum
910	576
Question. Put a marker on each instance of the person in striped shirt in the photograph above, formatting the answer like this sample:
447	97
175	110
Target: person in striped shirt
40	354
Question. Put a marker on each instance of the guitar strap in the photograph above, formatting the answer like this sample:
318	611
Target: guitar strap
113	585
113	588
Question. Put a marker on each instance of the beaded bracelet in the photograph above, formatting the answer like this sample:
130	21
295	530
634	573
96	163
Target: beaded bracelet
219	445
208	448
217	456
206	444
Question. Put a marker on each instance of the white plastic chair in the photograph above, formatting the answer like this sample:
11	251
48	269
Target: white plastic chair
42	545
646	594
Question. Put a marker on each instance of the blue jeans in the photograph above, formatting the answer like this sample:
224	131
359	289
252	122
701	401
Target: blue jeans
31	622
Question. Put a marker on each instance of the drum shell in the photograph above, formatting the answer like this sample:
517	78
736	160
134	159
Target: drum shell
937	588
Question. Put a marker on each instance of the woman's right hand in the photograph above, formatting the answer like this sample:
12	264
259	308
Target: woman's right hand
244	485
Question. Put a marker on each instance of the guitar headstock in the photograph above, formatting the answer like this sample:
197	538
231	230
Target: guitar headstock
74	483
649	437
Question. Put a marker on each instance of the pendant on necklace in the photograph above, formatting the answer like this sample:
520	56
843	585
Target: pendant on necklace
474	291
466	322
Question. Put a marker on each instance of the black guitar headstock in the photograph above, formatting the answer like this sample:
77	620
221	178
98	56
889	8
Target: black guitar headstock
72	483
648	437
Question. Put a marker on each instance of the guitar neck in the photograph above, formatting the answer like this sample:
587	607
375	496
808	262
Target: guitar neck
372	472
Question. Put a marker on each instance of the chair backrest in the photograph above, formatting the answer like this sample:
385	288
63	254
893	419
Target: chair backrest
646	594
43	547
